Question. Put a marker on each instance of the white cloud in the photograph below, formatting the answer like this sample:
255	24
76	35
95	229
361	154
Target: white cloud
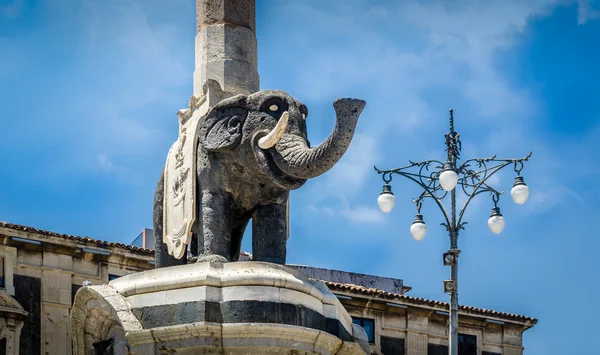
453	48
122	136
453	51
544	200
463	39
148	55
111	100
362	214
314	209
104	162
585	12
349	175
494	180
343	208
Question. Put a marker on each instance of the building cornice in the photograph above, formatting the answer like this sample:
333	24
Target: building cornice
525	321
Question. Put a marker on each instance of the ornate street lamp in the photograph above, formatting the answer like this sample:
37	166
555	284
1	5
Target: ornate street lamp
439	179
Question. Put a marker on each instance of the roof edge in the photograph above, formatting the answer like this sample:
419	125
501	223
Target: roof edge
102	243
423	301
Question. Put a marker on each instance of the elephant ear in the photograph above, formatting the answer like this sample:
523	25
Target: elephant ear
222	128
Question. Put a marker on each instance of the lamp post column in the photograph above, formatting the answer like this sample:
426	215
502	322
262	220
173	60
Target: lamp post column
453	149
453	334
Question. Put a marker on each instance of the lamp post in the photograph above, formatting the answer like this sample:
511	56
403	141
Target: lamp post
440	179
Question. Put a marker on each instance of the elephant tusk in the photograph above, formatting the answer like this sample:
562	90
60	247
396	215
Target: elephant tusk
273	137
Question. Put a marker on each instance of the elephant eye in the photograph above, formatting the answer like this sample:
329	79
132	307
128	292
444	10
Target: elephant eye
273	107
304	111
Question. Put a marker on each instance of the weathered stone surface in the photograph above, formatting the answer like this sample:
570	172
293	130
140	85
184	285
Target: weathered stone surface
226	54
59	290
512	336
360	336
226	49
244	307
237	180
416	343
55	325
226	42
381	283
161	249
236	12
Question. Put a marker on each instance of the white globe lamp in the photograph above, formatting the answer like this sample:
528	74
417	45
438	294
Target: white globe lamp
496	221
386	199
418	229
448	178
520	191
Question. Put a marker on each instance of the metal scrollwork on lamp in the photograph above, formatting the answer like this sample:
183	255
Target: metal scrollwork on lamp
440	179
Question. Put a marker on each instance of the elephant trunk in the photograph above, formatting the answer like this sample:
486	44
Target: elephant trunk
294	157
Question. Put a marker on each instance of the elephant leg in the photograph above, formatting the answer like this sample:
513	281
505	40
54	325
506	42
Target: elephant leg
161	252
269	233
194	247
197	241
216	222
236	239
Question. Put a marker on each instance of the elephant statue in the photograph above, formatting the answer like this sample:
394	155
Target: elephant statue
251	151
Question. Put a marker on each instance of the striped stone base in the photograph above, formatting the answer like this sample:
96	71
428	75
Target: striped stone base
211	308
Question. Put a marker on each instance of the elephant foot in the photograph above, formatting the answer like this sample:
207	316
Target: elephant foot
212	258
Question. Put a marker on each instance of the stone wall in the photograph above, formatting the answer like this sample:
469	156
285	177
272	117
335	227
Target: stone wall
419	330
43	273
379	282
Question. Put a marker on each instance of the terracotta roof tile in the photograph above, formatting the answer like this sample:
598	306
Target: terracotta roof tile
102	243
422	301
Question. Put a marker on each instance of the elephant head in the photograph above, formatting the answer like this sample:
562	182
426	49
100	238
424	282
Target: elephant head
269	127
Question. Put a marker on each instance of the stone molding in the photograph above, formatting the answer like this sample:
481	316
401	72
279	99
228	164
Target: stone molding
242	307
12	316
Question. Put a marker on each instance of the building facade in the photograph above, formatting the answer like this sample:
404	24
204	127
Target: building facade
397	324
400	324
41	271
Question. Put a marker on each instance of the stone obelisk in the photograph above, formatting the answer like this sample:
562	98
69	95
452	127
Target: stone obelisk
226	49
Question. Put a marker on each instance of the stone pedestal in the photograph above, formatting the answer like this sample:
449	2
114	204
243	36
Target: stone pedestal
211	308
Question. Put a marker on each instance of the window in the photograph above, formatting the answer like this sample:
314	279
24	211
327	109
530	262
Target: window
391	346
437	349
2	285
467	344
368	325
112	277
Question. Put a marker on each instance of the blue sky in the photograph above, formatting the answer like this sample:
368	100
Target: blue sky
90	91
